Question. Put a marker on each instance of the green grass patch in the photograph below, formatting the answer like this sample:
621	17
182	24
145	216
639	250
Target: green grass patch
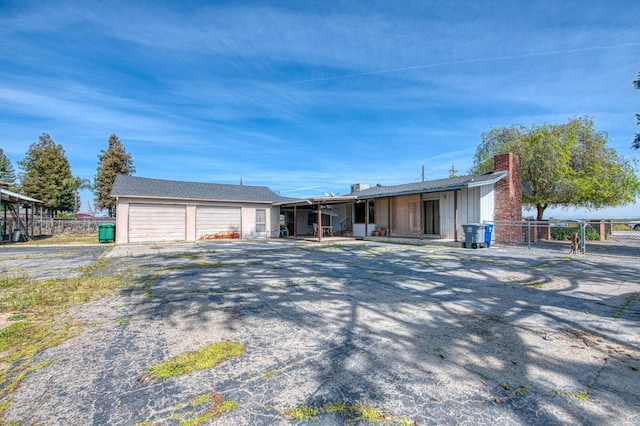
363	412
626	303
218	407
581	396
371	414
534	285
17	317
41	323
125	319
98	265
304	412
64	239
206	357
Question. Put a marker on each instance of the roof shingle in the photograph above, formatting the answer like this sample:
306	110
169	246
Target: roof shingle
133	186
431	186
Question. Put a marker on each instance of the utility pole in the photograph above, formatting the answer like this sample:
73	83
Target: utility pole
423	172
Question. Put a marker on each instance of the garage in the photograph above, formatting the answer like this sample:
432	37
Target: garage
157	222
159	210
214	223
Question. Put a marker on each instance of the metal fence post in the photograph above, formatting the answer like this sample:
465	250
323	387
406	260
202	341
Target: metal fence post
529	234
583	239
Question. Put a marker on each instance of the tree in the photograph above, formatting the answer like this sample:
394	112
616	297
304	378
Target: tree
111	163
46	175
79	184
636	139
7	172
567	165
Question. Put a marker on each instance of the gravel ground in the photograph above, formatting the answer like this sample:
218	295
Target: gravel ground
425	334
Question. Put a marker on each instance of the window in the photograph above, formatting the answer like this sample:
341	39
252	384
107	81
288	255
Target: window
261	221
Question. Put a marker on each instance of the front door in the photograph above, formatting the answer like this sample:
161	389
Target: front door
432	217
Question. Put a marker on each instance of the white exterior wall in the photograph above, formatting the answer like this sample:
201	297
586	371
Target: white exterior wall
469	206
248	215
273	222
487	203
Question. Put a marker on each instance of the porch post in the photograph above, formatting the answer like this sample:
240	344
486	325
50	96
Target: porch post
366	218
295	221
389	217
423	230
26	217
319	223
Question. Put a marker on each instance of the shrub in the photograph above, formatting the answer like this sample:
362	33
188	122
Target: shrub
565	234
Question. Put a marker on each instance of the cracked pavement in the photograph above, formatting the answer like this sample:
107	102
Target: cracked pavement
426	334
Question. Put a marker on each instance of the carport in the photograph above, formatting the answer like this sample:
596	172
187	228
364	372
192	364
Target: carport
16	224
317	216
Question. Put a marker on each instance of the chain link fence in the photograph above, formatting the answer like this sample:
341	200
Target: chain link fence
48	226
605	237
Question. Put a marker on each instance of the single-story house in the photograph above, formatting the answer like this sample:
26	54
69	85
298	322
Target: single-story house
439	208
149	210
431	209
164	210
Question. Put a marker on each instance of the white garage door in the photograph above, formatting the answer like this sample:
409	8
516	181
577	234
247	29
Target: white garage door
156	222
218	222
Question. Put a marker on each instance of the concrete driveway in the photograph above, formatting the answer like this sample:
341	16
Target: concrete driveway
425	335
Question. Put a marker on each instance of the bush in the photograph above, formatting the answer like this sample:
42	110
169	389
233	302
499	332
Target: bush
565	234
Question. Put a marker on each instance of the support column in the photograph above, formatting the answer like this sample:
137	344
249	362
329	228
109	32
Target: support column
319	223
366	218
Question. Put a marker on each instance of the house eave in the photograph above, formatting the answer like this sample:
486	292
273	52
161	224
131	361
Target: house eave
217	200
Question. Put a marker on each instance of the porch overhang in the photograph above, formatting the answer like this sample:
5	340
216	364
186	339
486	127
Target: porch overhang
322	200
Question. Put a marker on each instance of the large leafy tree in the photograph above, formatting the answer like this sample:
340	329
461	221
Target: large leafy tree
566	165
7	172
636	139
111	163
46	175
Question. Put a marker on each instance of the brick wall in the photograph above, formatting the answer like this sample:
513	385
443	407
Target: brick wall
508	201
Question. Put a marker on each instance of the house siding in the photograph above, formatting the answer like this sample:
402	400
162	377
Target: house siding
405	215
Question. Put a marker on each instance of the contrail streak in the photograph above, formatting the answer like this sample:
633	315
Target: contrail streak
464	61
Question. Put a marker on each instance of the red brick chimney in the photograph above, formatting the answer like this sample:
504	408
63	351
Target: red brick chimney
508	198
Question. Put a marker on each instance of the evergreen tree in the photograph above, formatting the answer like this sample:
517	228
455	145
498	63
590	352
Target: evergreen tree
7	172
111	163
46	175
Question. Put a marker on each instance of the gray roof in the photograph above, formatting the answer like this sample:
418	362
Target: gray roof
438	185
133	186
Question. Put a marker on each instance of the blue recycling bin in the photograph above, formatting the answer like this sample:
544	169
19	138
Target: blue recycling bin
488	233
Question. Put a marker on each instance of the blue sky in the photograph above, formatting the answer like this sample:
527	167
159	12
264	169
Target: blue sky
308	97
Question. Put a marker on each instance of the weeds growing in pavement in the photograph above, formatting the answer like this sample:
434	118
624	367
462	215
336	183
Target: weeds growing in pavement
37	309
205	357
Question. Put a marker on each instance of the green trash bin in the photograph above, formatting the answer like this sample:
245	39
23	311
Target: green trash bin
106	232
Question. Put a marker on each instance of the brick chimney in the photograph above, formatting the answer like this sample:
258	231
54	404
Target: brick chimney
508	197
